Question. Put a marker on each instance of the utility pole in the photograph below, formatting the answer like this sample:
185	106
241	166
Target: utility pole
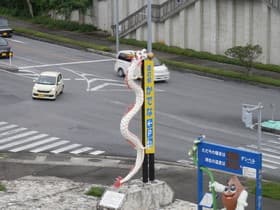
149	21
117	24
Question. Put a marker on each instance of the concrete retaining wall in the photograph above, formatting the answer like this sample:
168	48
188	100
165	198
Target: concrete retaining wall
206	25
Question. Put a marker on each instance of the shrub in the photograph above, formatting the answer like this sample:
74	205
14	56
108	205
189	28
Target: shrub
245	54
96	191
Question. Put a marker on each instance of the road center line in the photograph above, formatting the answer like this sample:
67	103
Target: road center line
62	64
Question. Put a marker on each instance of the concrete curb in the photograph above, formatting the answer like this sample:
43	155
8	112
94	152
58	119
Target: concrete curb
113	55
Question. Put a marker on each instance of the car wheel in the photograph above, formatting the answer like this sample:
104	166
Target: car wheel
120	72
62	89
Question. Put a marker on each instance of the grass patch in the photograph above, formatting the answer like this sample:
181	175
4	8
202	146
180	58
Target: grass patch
196	54
60	39
225	73
63	24
269	189
96	191
2	187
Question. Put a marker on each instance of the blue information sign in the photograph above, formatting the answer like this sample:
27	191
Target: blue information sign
229	159
232	160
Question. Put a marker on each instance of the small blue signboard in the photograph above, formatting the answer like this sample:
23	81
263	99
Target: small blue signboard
231	160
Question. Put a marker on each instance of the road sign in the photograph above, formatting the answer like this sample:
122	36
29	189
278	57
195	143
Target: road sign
149	106
232	160
229	159
247	117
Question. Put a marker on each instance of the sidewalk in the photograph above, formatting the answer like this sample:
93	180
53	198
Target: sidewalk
46	181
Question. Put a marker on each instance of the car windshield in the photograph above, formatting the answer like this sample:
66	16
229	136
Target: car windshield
3	42
157	62
46	80
3	22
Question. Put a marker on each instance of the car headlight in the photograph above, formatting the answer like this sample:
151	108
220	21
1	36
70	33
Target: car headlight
53	89
34	89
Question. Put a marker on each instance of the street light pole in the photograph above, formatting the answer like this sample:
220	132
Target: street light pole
117	25
149	21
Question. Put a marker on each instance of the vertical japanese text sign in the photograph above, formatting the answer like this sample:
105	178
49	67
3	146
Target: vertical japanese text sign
149	106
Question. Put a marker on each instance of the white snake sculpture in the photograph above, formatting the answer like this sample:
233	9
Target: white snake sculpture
133	73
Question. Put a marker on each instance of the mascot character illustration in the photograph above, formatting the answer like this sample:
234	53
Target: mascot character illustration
234	195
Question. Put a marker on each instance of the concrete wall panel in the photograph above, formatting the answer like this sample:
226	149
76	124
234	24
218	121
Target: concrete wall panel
208	25
275	37
191	24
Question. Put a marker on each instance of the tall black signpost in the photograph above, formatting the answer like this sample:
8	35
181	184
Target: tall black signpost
148	119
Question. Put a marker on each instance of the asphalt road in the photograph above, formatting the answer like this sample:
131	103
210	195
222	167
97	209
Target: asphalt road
95	99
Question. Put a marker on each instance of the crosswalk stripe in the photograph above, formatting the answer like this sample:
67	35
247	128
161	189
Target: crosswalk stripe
274	142
271	156
269	166
84	149
97	152
15	143
7	127
271	161
21	135
263	149
63	149
14	131
56	144
3	123
28	146
14	138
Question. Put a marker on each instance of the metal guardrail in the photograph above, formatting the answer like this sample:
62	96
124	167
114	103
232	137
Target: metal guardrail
159	14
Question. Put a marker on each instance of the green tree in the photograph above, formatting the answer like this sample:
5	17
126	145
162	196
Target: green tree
65	7
245	54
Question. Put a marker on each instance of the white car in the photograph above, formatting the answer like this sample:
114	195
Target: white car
48	85
124	58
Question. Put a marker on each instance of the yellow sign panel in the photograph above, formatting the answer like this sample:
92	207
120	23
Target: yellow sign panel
149	106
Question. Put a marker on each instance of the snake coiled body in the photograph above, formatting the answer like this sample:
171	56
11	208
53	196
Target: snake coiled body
133	73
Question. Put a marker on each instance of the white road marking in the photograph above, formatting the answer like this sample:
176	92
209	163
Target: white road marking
187	162
3	123
79	79
104	85
97	152
274	142
84	149
7	127
263	149
56	144
270	155
28	146
15	40
63	149
12	131
271	161
63	64
11	138
15	143
269	166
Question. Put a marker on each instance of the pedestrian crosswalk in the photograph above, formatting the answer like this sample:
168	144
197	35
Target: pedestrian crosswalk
14	138
270	153
270	150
